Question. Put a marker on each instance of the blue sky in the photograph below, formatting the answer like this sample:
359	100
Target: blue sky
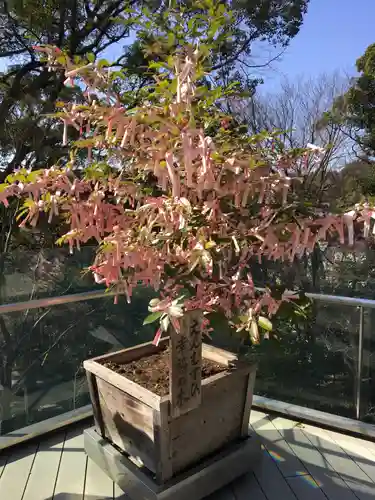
334	34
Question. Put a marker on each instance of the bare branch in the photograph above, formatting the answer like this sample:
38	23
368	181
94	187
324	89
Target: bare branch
230	60
264	65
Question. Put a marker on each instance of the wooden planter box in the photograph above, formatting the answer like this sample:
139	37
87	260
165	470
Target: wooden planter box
139	423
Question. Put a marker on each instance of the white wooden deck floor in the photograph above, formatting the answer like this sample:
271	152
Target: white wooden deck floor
298	462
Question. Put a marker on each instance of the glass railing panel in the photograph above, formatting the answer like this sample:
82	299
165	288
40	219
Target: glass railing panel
37	273
313	363
366	401
42	351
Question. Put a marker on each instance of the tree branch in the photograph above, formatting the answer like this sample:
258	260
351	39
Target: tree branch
15	89
264	65
235	56
20	39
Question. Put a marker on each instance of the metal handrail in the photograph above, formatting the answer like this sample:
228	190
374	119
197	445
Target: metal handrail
334	299
338	299
55	301
98	294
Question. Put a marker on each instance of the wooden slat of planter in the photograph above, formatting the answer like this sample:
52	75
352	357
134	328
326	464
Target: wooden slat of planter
217	421
162	440
128	423
132	353
94	396
213	401
248	402
186	450
218	355
223	376
123	383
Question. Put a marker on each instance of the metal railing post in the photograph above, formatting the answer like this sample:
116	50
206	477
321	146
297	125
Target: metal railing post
359	364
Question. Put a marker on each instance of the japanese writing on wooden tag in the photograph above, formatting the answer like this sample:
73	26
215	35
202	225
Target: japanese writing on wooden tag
186	364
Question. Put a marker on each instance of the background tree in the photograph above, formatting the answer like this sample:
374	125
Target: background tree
355	108
296	110
28	90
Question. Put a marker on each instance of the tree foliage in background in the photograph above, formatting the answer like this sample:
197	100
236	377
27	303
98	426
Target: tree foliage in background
28	90
296	110
355	108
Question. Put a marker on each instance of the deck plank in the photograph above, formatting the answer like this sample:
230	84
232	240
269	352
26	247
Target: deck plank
320	469
118	494
16	473
357	480
306	488
3	461
98	485
288	463
247	487
358	450
71	476
299	462
222	494
43	476
294	471
270	479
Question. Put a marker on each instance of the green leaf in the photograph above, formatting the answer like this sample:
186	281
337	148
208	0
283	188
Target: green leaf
243	318
90	57
102	63
171	39
209	244
265	323
61	59
151	318
254	333
84	143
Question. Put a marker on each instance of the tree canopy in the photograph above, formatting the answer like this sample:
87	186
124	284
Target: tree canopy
81	27
27	89
355	109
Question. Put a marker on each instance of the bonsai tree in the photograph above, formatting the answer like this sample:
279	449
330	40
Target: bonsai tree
177	194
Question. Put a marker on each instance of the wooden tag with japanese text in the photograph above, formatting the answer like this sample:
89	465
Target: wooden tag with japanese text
185	380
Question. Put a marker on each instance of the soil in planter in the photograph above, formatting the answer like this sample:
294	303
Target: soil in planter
152	372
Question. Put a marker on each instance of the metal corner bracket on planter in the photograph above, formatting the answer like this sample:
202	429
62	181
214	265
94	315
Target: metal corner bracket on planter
174	453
